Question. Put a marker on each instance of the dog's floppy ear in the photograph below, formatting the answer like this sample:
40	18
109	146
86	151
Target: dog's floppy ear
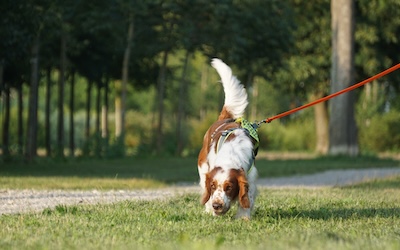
207	191
243	190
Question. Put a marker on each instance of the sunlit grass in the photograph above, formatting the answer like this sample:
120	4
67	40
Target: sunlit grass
83	183
356	217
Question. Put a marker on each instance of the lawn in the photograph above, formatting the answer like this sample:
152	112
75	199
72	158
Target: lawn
365	216
362	216
131	173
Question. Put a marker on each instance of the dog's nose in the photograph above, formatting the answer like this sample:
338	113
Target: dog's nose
217	206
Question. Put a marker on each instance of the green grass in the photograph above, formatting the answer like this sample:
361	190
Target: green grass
130	173
365	216
362	216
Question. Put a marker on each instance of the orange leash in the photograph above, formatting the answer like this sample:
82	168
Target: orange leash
383	73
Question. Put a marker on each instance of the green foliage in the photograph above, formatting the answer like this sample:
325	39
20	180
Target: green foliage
334	218
381	133
377	36
199	129
296	135
284	46
378	121
307	69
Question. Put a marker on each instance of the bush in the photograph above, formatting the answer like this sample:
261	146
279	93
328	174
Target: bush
297	135
198	130
381	133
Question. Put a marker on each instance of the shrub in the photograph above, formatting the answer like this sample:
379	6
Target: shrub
381	133
297	135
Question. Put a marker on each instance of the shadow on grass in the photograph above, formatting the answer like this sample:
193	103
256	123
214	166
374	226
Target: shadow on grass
325	213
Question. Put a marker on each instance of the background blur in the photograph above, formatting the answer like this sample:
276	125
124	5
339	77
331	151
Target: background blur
118	77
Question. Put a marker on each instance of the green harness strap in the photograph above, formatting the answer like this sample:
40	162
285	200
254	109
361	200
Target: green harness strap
250	128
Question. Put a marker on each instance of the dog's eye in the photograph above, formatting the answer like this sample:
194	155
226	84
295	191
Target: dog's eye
213	186
228	188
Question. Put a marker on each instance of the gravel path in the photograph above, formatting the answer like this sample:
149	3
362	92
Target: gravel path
330	178
19	201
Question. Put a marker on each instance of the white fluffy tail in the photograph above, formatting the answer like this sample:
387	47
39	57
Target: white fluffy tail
235	93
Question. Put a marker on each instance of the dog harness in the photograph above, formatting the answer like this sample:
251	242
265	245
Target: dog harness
249	128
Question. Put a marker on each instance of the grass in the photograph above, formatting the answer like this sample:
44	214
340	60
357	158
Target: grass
131	173
365	216
361	216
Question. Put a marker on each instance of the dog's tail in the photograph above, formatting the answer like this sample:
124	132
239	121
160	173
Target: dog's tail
235	93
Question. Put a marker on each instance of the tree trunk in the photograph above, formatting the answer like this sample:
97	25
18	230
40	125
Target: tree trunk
47	127
31	135
118	109
87	124
181	107
20	120
160	91
121	99
104	117
98	117
321	125
71	116
61	91
1	75
203	87
6	122
342	126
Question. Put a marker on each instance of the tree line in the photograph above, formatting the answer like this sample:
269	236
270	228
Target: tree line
119	45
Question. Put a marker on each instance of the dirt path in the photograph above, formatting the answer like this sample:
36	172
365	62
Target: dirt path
20	201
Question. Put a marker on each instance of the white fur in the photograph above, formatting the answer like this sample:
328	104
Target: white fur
236	153
235	94
233	154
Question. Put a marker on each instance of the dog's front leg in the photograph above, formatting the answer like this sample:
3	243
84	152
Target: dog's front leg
208	207
243	213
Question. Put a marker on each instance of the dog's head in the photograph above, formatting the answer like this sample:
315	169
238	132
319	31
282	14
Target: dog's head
225	186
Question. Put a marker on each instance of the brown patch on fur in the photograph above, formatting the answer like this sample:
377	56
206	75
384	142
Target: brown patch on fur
224	114
244	200
212	135
236	187
231	186
210	186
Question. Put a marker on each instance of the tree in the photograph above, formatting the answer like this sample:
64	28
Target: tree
31	142
104	116
61	92
95	57
192	20
120	99
342	126
167	38
306	71
71	115
255	36
6	122
19	32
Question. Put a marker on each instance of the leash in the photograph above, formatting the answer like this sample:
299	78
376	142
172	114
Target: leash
323	99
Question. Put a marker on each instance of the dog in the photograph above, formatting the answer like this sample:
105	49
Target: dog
226	160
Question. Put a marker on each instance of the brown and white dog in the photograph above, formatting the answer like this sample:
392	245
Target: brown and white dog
226	160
